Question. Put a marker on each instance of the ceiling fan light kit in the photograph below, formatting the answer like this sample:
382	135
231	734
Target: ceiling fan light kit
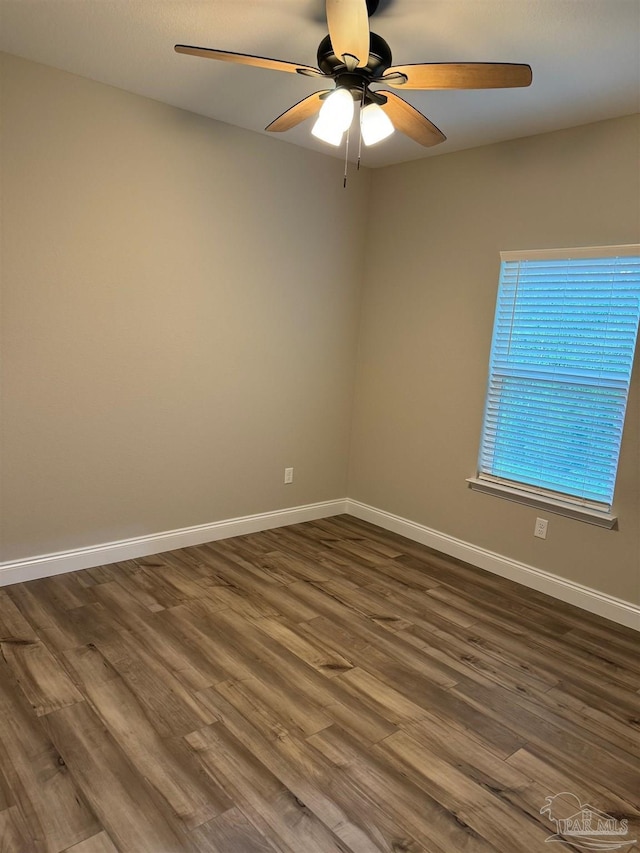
326	132
356	60
335	117
375	124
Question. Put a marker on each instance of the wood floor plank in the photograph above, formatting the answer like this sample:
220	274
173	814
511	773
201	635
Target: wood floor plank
502	825
317	655
44	607
275	594
391	703
313	556
164	762
172	706
427	611
548	644
229	832
121	799
148	577
328	686
182	658
624	655
340	528
421	690
502	821
347	810
54	810
219	558
312	780
415	579
14	835
290	674
45	684
457	648
100	843
140	590
551	732
224	597
202	637
43	681
436	828
381	610
554	778
295	568
181	580
467	753
601	700
7	798
82	625
294	712
524	653
587	719
14	627
261	795
519	618
332	601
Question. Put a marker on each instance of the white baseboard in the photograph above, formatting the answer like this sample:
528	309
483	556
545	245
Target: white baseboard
615	609
46	565
622	612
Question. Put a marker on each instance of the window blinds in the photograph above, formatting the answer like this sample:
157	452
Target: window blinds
563	346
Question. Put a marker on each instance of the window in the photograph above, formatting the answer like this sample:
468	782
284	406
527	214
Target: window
564	337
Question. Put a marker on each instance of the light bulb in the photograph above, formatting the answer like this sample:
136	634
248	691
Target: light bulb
335	116
375	124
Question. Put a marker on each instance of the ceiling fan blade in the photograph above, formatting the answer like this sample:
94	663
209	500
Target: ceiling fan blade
248	59
348	22
460	75
304	109
409	121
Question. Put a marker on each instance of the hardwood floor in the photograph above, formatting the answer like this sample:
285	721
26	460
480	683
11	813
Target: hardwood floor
319	688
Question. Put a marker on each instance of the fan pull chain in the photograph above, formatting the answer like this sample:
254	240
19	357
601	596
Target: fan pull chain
364	92
346	160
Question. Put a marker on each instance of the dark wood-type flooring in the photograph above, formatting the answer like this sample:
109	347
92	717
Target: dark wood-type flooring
318	688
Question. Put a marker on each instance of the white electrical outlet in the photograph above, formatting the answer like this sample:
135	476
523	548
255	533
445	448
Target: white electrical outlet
540	530
288	475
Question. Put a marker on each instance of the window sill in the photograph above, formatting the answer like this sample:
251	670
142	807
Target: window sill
510	493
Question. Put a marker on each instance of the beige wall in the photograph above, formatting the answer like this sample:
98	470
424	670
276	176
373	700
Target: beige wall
179	316
432	273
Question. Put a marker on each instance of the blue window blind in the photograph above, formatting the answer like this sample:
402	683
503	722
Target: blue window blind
563	346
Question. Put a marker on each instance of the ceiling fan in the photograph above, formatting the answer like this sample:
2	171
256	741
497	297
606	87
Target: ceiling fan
356	60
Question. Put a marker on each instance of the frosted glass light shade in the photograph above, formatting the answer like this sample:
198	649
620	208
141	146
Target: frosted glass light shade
335	117
326	132
375	124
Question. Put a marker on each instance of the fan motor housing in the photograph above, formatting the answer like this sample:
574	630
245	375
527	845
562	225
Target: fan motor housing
379	59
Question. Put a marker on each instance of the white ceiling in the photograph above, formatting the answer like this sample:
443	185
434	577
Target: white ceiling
585	56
